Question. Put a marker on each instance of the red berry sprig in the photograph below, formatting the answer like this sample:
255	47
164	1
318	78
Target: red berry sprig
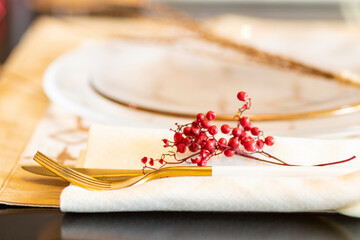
199	138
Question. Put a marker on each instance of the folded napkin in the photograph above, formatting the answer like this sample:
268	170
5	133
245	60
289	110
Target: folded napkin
123	147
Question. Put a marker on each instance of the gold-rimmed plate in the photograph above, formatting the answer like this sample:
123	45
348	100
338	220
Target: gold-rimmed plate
188	77
113	69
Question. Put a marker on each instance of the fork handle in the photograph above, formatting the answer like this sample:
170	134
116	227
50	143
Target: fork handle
281	171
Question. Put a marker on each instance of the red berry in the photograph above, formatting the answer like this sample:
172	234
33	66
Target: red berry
236	132
205	124
166	142
181	148
242	135
244	121
225	129
200	139
233	142
229	152
204	153
210	144
196	159
269	140
144	160
222	141
178	137
151	162
210	115
203	133
260	144
213	130
195	131
248	127
242	96
200	117
250	146
186	141
244	140
194	147
202	163
161	161
195	124
187	131
255	131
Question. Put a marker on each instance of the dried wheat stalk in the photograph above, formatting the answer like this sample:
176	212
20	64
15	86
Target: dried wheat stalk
255	54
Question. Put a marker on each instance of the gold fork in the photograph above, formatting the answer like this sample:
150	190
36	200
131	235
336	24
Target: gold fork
91	183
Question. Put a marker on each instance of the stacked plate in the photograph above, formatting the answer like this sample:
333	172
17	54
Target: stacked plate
155	84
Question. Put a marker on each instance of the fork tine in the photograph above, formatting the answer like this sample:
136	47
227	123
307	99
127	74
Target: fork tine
69	177
68	170
69	174
60	172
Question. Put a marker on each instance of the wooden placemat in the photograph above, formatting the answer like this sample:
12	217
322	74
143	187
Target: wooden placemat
23	102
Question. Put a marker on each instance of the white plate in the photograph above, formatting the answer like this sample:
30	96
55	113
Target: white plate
189	77
127	71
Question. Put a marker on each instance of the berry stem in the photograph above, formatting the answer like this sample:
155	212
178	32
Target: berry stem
181	160
273	157
245	154
333	163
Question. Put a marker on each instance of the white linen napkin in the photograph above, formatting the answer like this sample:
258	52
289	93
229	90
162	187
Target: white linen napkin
123	147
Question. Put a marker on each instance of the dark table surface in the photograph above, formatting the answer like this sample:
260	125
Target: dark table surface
32	223
36	223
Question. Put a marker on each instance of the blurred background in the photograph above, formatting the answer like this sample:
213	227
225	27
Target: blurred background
17	15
